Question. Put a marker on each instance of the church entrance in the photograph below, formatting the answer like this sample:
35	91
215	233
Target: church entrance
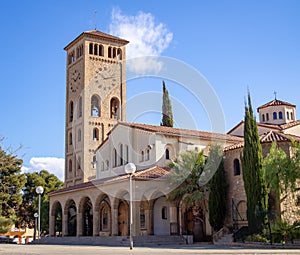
123	219
87	218
194	227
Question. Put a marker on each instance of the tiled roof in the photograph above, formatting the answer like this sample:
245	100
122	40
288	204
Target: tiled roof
265	125
151	173
269	137
98	34
275	102
290	124
180	131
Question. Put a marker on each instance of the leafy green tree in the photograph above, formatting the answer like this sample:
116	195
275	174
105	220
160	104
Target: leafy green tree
11	183
186	173
167	114
30	199
5	225
253	174
217	195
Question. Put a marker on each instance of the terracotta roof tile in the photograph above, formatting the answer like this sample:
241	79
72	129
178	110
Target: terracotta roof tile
275	102
181	131
98	34
290	124
151	173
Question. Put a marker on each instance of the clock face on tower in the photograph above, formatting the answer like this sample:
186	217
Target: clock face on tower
74	80
107	77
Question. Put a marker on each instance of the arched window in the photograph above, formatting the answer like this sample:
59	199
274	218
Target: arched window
95	106
70	165
79	163
95	134
148	154
142	156
142	217
114	108
115	157
236	167
106	165
274	115
80	107
79	135
167	154
71	111
94	162
95	49
114	52
101	50
121	154
126	158
280	115
267	116
292	117
119	54
91	48
288	115
70	138
164	213
263	118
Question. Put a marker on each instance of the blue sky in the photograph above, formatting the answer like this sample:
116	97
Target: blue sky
234	44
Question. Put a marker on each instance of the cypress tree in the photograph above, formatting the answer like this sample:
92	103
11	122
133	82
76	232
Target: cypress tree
253	175
217	194
167	115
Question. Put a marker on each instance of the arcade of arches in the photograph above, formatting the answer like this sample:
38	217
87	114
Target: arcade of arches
91	212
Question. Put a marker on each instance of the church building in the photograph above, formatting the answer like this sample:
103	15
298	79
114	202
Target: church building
99	143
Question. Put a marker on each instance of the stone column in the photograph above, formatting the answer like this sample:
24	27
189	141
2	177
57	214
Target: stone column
136	218
51	225
96	223
79	224
65	223
114	217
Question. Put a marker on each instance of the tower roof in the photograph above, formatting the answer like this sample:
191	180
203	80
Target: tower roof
97	35
275	102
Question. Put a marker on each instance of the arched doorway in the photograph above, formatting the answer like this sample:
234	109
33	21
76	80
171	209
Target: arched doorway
105	218
87	217
57	219
161	217
123	219
72	219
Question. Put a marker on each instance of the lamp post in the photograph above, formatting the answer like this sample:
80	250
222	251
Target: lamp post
39	190
130	169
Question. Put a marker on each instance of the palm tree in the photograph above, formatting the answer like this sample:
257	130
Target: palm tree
187	171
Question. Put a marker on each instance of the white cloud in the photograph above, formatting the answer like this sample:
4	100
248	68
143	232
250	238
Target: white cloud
51	164
147	37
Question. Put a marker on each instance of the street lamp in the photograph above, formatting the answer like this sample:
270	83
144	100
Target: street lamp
130	169
39	190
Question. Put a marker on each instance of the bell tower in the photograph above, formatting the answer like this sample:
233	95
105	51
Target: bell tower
95	99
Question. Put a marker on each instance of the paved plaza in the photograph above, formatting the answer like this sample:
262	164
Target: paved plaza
10	249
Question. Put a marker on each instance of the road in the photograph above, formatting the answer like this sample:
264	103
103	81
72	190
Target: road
12	249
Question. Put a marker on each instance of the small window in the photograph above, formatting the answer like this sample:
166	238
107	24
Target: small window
96	49
109	52
148	154
164	213
95	134
106	165
237	167
70	138
79	163
263	118
101	51
142	218
91	48
267	116
70	165
121	155
280	115
126	154
142	156
94	163
167	154
288	115
79	135
292	117
71	111
95	106
274	115
115	159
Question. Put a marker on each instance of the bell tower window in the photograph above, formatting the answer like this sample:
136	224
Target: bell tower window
114	108
95	106
71	111
274	115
